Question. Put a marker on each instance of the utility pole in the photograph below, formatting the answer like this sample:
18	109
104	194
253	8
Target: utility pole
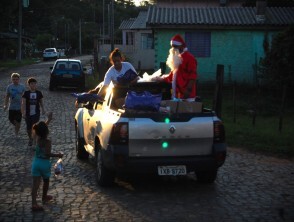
112	25
19	30
103	25
80	36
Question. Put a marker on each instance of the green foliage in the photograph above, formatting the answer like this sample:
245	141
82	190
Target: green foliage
271	3
8	14
43	41
60	19
263	137
241	131
13	63
279	60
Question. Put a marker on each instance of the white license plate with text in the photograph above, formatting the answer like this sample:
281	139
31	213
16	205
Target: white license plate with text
172	170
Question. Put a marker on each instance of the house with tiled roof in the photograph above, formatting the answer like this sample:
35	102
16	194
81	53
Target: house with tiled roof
137	42
235	37
232	36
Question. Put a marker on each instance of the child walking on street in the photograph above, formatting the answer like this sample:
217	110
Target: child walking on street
41	166
14	93
32	101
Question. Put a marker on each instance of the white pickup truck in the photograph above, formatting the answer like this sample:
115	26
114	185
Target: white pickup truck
160	143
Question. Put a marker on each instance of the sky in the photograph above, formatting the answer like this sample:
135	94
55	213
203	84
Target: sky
137	2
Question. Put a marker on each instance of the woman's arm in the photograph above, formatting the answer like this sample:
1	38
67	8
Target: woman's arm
102	91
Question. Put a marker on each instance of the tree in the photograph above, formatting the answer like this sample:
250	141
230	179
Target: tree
279	60
270	3
59	19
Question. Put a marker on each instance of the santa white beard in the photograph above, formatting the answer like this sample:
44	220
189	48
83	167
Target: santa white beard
174	60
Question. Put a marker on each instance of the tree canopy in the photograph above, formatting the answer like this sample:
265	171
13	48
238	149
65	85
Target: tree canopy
279	60
58	20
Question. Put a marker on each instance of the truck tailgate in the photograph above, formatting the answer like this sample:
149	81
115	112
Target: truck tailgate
148	138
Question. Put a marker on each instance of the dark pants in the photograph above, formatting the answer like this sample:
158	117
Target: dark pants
14	115
31	120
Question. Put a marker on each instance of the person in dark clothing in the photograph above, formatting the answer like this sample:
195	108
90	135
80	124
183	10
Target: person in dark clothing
31	107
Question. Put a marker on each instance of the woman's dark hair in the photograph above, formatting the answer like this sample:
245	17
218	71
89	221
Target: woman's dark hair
115	53
41	129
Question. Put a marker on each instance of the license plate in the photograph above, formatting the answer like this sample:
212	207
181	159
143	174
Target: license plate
67	75
172	170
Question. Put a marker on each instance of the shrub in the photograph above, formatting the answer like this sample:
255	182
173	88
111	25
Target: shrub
279	61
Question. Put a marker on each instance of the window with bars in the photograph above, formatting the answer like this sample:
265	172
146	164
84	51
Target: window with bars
199	43
146	41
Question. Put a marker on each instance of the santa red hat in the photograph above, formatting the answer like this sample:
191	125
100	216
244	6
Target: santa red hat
178	41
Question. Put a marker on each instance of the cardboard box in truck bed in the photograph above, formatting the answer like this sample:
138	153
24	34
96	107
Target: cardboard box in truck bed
182	106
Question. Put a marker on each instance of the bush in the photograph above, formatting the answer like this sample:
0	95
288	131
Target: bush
279	61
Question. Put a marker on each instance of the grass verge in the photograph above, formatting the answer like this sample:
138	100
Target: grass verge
263	135
14	63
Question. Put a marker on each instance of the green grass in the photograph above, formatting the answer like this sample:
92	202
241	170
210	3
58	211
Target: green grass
91	82
263	136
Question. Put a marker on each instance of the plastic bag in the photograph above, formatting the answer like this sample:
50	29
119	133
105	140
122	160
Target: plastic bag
127	77
148	78
58	167
86	97
143	101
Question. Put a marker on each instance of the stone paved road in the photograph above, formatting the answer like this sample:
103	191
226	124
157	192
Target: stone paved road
249	187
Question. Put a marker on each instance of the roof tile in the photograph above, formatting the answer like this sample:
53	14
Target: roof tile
223	16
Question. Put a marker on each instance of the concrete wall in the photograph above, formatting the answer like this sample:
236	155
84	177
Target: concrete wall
133	53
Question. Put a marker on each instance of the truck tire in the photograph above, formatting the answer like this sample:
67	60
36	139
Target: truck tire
104	176
80	149
206	176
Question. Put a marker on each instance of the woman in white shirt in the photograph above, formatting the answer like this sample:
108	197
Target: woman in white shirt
117	69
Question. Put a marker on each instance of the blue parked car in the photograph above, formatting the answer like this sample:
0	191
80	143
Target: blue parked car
67	73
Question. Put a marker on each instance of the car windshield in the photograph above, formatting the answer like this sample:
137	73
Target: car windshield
68	65
49	50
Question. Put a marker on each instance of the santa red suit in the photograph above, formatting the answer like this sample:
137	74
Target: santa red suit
185	72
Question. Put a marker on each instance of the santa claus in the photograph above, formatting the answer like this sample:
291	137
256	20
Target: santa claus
183	73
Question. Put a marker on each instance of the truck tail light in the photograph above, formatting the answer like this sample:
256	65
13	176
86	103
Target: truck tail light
119	134
218	132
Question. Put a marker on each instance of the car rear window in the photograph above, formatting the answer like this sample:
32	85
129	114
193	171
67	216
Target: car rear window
49	50
68	65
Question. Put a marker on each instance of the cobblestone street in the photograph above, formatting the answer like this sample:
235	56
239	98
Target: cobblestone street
249	187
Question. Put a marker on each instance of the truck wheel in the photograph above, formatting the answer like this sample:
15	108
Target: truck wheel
104	176
206	176
80	149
